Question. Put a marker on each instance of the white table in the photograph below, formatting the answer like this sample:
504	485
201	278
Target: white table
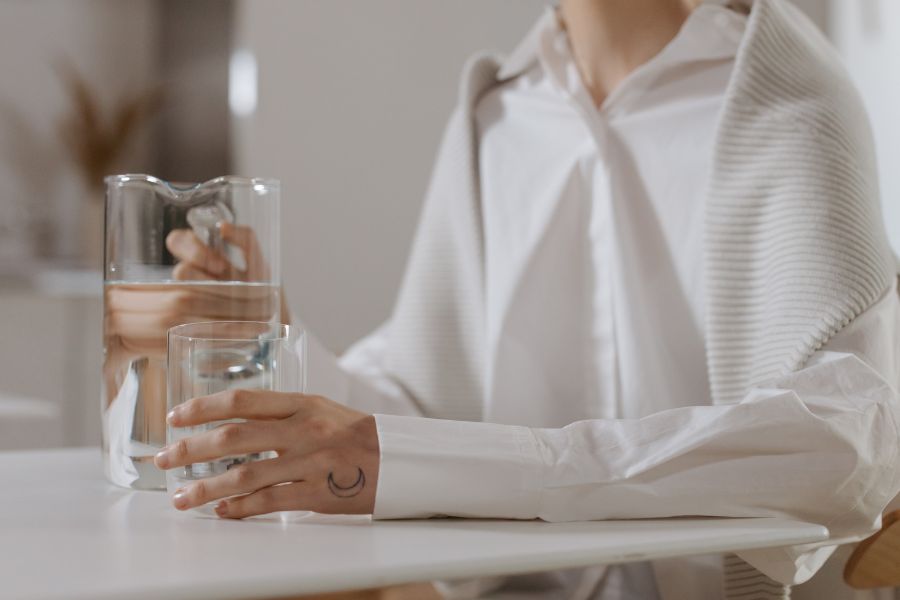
66	533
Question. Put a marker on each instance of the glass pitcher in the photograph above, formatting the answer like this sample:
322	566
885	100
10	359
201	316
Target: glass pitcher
226	233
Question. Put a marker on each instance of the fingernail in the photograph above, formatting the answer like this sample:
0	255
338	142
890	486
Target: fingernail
179	499
221	508
173	414
162	458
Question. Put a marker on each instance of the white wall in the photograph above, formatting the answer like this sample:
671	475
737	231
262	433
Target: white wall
867	32
353	95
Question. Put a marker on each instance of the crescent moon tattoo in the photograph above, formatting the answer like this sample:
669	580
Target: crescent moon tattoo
350	490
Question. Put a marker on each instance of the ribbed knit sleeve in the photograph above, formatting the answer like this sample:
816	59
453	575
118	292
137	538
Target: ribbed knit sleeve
436	337
795	246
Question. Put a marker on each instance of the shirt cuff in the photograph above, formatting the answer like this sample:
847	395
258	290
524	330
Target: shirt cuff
436	467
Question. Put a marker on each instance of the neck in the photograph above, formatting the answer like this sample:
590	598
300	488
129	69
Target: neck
611	38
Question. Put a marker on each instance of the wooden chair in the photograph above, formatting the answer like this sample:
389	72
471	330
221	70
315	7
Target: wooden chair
876	560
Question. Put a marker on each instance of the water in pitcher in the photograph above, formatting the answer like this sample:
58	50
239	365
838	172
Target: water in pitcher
136	318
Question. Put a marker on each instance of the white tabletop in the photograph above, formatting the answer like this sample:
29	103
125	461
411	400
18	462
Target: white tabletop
66	533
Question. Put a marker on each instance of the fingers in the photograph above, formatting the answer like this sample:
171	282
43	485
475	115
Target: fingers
230	439
241	479
315	492
141	333
214	300
185	271
141	316
289	496
187	247
202	263
328	454
244	238
234	404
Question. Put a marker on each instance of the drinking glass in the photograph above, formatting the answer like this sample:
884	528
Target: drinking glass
206	358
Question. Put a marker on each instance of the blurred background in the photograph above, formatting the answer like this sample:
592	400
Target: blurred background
342	100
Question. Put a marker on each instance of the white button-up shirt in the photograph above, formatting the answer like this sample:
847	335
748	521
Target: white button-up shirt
598	401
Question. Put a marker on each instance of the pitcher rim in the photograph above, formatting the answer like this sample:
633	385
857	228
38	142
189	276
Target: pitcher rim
177	187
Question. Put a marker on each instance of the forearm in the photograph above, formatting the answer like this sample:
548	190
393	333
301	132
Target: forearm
824	455
778	453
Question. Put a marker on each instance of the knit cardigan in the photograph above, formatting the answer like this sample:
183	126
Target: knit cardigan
795	247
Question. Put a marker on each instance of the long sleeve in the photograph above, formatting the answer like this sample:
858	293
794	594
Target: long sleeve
819	444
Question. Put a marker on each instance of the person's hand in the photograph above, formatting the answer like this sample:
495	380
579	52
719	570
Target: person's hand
327	454
199	262
140	315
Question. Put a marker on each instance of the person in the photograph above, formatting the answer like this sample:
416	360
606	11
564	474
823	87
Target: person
650	279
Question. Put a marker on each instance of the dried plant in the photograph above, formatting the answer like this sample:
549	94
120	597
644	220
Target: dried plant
97	141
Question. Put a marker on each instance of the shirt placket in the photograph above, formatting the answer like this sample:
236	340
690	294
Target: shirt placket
603	339
601	356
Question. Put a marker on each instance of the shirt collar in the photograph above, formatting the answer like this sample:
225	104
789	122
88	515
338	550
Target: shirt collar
712	31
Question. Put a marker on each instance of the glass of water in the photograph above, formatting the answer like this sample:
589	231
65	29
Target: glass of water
206	358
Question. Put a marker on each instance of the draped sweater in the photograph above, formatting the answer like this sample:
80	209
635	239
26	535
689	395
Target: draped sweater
795	246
